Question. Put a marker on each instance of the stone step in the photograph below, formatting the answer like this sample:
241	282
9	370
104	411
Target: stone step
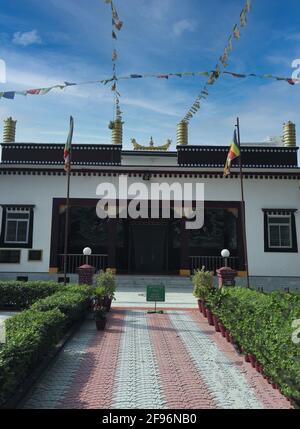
143	281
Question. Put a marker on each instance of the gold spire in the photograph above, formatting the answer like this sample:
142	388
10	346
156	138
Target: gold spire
151	146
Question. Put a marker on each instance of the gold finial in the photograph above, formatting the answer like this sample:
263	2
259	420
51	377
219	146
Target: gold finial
117	131
182	133
151	146
289	134
9	131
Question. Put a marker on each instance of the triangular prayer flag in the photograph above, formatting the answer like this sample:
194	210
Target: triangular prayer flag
243	18
9	94
248	5
229	45
114	55
236	32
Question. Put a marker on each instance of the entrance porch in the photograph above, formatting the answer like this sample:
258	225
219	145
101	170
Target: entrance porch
147	246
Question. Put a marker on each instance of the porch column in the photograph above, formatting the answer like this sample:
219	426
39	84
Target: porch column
53	267
112	244
184	250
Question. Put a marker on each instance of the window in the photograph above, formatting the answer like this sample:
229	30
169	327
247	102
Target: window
17	226
35	255
10	256
280	231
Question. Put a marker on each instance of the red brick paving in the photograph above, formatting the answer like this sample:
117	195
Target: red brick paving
269	397
93	385
182	385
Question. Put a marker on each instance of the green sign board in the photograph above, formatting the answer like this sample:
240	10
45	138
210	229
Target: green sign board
156	293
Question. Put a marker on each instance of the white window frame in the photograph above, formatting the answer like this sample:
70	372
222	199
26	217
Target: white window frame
286	216
13	211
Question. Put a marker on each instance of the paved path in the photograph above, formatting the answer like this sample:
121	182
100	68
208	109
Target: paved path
172	360
175	297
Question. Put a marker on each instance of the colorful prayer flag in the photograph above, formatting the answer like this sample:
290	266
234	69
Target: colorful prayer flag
234	152
236	32
68	147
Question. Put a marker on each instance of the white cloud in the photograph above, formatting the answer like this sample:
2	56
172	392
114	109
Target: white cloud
183	25
27	38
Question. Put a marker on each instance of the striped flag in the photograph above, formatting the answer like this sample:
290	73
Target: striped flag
234	152
67	149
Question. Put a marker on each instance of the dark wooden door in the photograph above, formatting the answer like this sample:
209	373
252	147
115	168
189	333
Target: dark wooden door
149	248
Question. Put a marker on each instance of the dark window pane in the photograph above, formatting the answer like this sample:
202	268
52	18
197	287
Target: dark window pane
11	231
17	215
35	255
10	256
22	231
274	236
285	235
281	220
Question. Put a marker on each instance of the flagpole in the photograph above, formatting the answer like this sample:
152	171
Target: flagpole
68	154
243	203
67	223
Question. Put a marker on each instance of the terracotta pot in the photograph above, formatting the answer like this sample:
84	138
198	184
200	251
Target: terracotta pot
209	317
252	360
232	340
247	358
216	323
107	303
238	348
275	386
222	329
227	335
100	323
200	305
204	310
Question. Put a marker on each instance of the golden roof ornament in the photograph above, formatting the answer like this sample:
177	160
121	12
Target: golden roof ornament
151	146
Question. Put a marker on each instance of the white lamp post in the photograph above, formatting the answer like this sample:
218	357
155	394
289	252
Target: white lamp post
87	251
225	254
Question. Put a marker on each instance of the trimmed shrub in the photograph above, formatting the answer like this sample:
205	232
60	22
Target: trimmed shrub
262	325
72	304
30	335
21	295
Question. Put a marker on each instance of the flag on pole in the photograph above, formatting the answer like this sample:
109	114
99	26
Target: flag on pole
234	152
67	149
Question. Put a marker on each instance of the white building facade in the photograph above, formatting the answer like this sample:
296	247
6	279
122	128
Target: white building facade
33	211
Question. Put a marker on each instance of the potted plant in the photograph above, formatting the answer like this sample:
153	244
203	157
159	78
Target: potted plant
99	294
100	318
106	281
203	285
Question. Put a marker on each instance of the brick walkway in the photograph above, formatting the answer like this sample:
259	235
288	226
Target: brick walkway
172	360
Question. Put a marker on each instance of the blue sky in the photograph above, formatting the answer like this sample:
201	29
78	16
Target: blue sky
52	41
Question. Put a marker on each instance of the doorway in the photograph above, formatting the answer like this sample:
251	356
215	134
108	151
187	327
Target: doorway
149	248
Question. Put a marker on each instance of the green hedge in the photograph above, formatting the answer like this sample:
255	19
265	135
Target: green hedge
32	333
262	325
21	295
72	303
